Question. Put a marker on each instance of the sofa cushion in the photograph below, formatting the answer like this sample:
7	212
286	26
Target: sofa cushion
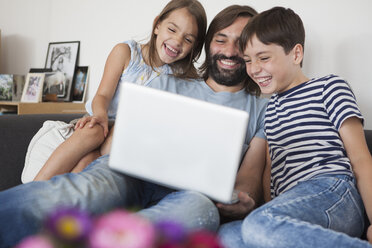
45	141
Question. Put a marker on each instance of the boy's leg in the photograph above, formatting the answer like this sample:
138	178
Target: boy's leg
191	209
321	212
97	189
69	153
230	234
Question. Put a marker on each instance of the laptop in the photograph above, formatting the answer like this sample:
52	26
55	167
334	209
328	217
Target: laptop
178	141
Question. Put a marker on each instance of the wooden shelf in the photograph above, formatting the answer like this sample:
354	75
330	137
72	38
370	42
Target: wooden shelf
23	108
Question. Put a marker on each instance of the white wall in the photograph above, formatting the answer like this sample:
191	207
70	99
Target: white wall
338	34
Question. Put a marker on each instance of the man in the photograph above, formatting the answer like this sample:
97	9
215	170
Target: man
98	189
223	70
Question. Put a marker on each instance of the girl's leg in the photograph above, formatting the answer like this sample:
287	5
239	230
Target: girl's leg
70	152
90	157
321	212
86	160
106	146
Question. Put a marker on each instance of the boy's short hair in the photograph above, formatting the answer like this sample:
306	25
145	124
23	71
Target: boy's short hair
278	26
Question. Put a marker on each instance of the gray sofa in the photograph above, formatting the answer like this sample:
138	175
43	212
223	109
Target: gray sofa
16	132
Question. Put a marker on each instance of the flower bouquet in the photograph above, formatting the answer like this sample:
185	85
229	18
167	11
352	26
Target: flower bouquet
73	228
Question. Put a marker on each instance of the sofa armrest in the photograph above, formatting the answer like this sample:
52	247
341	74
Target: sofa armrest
16	132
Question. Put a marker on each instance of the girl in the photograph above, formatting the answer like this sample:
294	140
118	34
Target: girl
175	44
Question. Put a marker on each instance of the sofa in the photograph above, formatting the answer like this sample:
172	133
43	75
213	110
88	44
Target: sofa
16	132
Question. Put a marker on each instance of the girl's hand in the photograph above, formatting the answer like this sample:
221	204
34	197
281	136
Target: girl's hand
238	210
93	120
369	234
82	121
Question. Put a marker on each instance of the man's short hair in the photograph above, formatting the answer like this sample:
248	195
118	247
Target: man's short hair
222	20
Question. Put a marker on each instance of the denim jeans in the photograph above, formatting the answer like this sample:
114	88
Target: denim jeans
98	189
326	211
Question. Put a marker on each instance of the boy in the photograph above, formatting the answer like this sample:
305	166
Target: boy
318	153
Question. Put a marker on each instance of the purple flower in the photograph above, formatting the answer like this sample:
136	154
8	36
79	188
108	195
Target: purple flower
69	224
170	231
36	241
121	229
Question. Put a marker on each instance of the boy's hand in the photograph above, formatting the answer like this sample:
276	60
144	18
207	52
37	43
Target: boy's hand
369	234
238	210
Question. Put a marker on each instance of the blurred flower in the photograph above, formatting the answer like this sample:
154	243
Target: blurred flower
73	228
171	230
170	234
37	241
203	239
69	224
121	229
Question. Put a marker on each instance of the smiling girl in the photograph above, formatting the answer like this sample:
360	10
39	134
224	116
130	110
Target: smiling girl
176	42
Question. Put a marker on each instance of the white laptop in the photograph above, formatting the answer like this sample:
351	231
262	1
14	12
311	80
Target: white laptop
178	141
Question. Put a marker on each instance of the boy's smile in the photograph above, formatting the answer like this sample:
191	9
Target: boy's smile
271	68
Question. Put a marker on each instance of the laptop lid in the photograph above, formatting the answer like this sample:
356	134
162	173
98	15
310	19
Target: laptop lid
178	141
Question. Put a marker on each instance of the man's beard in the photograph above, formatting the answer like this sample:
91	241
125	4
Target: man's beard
224	76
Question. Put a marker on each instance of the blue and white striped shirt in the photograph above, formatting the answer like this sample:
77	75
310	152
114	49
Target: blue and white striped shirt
302	126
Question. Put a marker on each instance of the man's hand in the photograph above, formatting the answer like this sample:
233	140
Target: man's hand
238	210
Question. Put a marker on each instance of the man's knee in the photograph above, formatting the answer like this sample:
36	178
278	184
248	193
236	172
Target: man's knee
201	208
192	209
195	198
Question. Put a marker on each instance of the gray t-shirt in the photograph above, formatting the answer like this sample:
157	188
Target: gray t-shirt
255	106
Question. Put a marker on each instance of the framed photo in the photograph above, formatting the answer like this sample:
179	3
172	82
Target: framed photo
80	84
6	82
11	87
62	57
32	91
17	89
54	83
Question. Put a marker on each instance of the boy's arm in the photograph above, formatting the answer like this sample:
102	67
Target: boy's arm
266	178
248	181
352	135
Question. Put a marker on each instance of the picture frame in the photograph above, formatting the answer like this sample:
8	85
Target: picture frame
18	86
32	91
11	87
54	83
6	82
63	57
80	84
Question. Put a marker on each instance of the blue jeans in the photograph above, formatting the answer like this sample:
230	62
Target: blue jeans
98	189
326	211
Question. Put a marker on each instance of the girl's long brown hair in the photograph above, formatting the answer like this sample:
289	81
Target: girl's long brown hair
183	68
